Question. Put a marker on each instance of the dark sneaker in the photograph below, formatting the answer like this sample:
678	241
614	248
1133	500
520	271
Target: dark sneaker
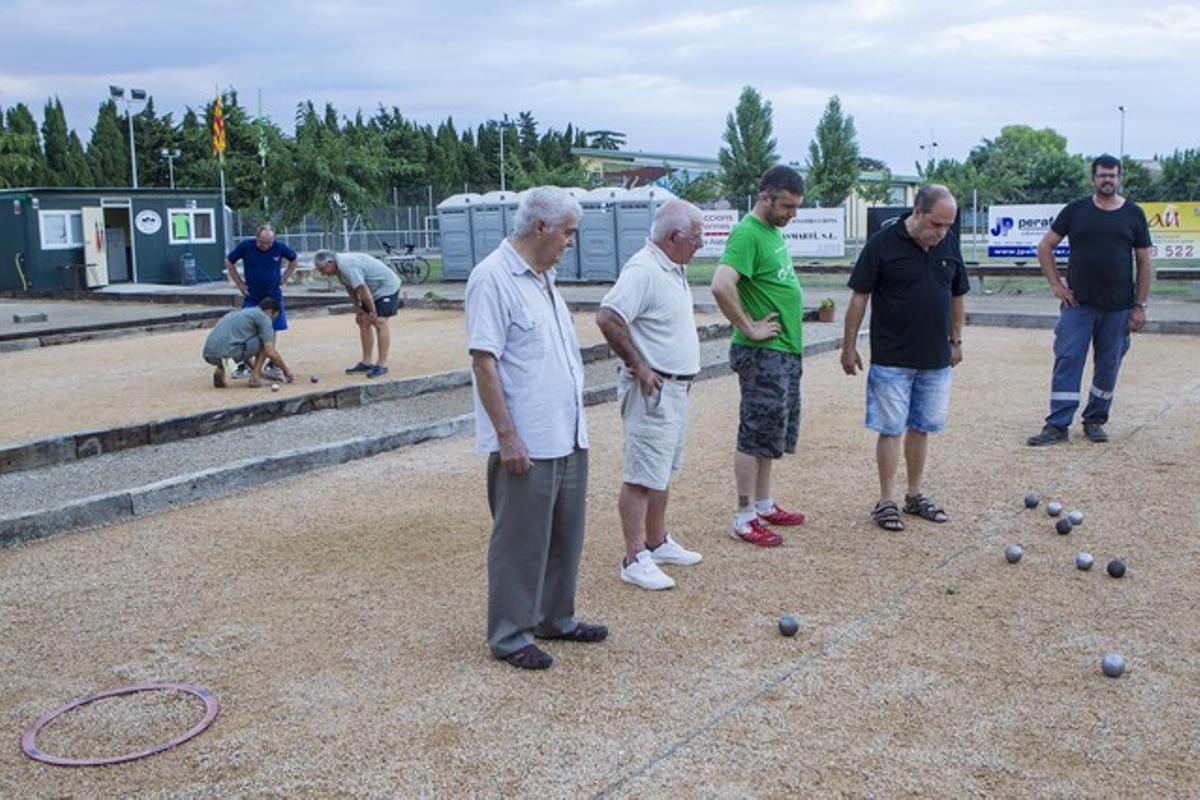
1051	434
241	371
377	371
1095	432
361	366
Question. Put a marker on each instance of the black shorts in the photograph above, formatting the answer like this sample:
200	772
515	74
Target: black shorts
769	418
388	306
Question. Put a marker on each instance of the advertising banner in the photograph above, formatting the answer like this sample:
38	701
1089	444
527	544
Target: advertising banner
813	233
1014	231
1174	229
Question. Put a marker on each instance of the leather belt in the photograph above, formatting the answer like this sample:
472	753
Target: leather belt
668	376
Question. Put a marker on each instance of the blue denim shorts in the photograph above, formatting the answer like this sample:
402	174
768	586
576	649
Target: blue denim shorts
901	399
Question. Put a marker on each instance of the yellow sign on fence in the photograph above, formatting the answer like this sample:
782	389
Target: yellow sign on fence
1174	229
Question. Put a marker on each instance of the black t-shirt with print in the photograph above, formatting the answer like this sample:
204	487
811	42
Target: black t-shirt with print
910	296
1100	267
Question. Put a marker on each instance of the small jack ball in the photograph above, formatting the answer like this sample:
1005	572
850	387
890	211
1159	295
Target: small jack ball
274	387
1063	526
1053	508
1076	518
1113	665
1032	500
1013	553
1116	568
1084	561
789	624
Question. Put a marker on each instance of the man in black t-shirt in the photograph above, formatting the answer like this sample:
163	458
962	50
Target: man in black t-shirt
1101	303
912	273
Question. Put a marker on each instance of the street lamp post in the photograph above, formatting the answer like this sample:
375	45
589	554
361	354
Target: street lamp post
134	94
931	147
503	128
1122	152
170	154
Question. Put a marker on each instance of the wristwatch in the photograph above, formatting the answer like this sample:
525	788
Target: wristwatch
956	342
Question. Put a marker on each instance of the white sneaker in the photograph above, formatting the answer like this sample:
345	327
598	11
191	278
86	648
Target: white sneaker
672	552
274	373
645	573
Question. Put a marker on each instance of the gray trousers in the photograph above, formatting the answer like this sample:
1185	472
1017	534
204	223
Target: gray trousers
538	521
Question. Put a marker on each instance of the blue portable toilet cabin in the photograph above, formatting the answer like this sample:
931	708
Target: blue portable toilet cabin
635	213
454	223
489	221
597	241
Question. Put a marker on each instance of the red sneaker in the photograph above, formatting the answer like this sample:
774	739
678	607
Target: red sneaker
778	516
759	534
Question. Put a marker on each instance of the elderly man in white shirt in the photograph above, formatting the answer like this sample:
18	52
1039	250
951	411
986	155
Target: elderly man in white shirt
528	381
648	320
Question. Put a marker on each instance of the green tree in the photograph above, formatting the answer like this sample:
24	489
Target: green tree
1180	176
833	157
108	149
22	162
55	138
606	140
750	147
1009	165
1137	182
960	177
877	188
701	189
1055	177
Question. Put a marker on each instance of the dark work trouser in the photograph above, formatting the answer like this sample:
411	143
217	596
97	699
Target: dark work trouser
538	521
1107	332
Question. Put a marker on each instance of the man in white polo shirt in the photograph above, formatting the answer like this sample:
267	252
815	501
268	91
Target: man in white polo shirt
648	320
528	380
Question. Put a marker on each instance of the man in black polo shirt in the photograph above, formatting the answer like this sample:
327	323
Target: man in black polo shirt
1101	304
913	274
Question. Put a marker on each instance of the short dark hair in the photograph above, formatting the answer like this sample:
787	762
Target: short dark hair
268	304
1107	161
929	196
781	179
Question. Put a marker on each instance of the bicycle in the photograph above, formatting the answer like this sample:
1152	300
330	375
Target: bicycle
411	267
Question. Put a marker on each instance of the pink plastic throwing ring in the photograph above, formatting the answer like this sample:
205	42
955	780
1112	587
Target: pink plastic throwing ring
29	740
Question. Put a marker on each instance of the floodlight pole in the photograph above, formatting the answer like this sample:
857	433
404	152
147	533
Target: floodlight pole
134	94
503	126
1122	153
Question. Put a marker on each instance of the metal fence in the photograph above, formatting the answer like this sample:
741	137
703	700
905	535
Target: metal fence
398	226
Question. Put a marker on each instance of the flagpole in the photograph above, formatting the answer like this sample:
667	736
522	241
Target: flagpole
224	217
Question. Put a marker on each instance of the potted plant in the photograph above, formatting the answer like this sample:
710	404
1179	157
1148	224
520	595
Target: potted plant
825	310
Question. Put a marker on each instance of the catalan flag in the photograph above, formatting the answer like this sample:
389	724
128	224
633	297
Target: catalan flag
218	132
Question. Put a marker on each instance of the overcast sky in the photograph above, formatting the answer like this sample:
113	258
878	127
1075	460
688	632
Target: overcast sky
666	73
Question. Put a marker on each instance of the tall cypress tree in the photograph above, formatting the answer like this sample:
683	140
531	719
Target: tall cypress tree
833	157
26	164
750	149
108	150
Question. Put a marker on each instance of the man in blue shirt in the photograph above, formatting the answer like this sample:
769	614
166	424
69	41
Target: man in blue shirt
267	265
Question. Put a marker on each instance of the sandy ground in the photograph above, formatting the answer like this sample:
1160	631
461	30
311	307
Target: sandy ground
339	619
110	382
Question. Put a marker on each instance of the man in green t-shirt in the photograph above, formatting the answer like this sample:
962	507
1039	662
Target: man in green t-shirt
756	287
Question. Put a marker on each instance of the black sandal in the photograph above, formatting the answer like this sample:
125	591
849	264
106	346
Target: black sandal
923	507
582	632
887	516
529	657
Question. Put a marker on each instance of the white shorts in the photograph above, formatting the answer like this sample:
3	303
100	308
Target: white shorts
655	430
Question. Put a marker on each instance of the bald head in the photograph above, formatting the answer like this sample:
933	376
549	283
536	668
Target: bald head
930	195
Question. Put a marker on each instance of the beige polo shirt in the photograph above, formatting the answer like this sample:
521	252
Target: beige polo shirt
653	297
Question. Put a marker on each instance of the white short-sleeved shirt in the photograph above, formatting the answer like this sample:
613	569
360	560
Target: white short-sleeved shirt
653	297
356	269
530	332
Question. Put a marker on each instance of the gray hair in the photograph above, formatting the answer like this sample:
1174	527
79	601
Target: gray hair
323	257
674	215
266	226
930	195
547	204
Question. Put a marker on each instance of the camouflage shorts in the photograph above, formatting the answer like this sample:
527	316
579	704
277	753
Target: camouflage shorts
769	418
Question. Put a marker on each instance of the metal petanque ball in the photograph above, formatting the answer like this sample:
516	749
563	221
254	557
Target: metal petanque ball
1116	568
1013	553
789	624
1032	500
1054	508
1113	665
1076	518
1063	526
313	379
1084	561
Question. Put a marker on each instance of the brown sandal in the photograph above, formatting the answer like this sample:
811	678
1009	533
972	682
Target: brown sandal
887	516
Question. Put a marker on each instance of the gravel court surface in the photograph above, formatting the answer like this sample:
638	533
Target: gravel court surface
338	618
105	383
30	490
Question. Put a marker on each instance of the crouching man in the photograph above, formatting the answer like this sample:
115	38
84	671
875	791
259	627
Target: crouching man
245	335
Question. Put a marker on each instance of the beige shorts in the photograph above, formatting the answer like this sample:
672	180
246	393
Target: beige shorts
655	430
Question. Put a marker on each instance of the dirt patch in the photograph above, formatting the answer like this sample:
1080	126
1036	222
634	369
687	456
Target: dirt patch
110	382
339	619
